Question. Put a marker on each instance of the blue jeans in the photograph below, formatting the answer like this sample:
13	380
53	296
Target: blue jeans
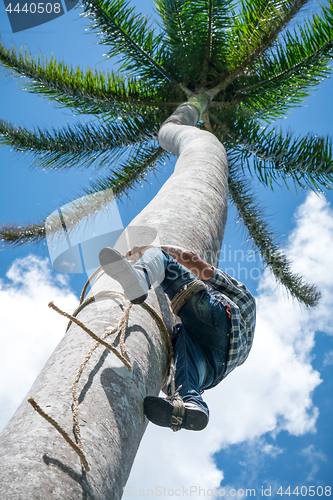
201	340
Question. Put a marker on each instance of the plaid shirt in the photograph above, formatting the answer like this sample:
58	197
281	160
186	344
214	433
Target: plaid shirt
234	294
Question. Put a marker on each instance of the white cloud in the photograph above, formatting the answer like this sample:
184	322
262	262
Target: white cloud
29	329
273	390
328	359
313	458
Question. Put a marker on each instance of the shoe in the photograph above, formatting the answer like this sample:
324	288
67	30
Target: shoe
168	414
118	268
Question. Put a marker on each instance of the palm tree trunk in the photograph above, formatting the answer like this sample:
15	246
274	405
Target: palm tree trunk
189	210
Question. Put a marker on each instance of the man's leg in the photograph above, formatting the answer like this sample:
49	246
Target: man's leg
155	267
200	350
185	409
203	316
208	322
192	372
201	343
164	270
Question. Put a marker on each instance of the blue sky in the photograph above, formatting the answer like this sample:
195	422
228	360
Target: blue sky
271	419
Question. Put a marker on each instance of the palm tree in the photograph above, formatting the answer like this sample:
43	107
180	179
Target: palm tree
233	68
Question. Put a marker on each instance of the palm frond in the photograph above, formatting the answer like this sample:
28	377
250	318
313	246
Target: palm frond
132	171
89	91
275	155
284	76
195	32
273	257
130	34
99	193
253	29
256	27
12	235
82	209
81	145
307	161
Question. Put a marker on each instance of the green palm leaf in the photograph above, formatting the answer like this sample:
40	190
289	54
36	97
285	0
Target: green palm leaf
12	235
144	159
130	34
89	91
254	27
120	182
273	257
81	145
298	63
307	161
196	35
86	208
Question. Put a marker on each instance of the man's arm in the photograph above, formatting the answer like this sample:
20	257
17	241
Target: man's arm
186	258
191	261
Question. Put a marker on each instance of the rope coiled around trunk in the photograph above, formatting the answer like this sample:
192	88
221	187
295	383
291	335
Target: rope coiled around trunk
122	355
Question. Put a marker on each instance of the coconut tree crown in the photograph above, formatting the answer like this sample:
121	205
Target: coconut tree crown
239	57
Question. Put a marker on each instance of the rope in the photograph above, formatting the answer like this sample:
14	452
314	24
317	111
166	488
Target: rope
178	412
121	326
186	294
79	450
169	343
100	340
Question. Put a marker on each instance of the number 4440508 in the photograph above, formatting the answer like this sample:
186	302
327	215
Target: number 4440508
304	491
34	8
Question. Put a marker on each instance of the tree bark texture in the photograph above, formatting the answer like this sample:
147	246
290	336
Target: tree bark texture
37	463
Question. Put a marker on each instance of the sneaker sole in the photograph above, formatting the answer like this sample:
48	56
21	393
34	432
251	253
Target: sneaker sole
160	412
117	267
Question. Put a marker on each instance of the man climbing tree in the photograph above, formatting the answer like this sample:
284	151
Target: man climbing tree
225	68
216	330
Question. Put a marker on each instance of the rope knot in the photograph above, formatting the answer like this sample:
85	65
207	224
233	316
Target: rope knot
178	412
